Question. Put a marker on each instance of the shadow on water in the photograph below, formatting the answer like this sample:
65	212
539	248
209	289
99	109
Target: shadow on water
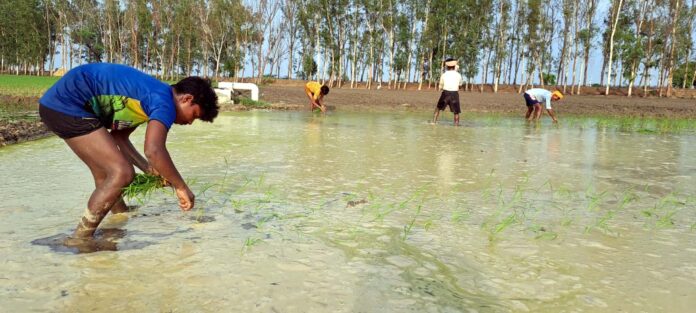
108	239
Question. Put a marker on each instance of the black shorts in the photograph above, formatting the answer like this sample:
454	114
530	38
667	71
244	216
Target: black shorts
451	99
66	126
528	99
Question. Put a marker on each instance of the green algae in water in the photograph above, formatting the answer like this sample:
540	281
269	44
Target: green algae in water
142	186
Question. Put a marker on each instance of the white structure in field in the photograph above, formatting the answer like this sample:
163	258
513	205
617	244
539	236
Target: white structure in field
225	90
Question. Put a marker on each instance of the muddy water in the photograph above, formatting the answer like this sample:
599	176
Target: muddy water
366	213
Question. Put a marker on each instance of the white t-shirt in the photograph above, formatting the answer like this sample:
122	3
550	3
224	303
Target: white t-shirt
450	81
541	95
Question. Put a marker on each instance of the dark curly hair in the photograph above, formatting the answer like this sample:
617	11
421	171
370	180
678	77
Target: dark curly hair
203	95
324	90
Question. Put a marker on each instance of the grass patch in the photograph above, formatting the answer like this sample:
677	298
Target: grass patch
251	103
19	85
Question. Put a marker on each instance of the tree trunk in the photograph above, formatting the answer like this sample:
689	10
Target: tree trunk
670	66
611	44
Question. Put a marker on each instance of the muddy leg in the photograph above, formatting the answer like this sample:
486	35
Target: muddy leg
111	172
119	207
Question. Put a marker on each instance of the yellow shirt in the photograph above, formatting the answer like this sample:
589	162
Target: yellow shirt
314	88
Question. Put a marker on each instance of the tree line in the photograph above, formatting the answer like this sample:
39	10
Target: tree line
647	44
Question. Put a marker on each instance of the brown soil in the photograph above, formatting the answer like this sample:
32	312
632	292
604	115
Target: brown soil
21	130
504	102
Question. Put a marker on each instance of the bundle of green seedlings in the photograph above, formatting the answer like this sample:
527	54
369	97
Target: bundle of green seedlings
142	186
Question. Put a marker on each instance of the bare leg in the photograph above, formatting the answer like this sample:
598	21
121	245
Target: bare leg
111	172
436	115
456	120
530	110
537	111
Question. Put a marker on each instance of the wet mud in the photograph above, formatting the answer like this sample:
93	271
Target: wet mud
108	239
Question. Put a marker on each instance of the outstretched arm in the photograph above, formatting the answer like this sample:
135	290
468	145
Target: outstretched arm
552	115
156	152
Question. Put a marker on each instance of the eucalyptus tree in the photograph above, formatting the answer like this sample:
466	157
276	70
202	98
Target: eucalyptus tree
20	47
686	34
632	40
137	29
502	34
264	13
309	22
220	22
333	17
355	41
568	9
586	36
290	9
615	15
187	52
516	42
532	40
111	27
675	7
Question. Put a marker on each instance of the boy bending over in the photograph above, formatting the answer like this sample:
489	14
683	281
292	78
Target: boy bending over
95	108
316	92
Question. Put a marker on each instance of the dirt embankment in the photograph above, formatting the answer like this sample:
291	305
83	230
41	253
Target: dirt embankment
21	130
289	95
19	120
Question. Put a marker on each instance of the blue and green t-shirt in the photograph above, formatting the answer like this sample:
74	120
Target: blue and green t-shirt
119	96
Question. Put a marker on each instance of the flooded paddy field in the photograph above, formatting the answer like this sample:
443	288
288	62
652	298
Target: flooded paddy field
369	212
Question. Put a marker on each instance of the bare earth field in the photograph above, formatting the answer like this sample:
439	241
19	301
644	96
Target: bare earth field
290	96
507	103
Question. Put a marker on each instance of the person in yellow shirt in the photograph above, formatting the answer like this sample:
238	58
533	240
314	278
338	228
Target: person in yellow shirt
316	92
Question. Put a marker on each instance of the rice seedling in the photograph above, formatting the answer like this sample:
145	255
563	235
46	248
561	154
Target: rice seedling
459	216
602	223
409	226
248	243
142	186
595	199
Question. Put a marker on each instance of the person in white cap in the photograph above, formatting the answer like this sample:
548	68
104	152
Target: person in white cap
534	97
449	83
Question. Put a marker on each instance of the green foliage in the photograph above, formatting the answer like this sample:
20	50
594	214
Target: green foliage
685	70
309	67
251	103
142	186
549	79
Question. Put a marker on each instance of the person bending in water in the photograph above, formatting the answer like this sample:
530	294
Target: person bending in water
534	97
449	83
95	107
316	92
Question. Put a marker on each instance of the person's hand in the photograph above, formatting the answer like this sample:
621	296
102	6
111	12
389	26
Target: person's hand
186	198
